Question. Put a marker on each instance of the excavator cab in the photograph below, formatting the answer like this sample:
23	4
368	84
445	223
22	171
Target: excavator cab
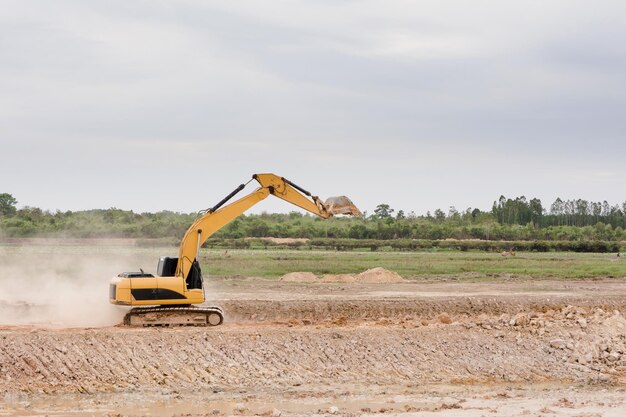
167	268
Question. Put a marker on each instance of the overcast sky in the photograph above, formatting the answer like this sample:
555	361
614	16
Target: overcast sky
156	105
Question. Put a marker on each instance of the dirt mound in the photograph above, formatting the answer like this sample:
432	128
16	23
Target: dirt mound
299	277
379	275
371	276
338	278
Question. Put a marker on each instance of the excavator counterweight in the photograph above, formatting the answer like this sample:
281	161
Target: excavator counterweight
168	298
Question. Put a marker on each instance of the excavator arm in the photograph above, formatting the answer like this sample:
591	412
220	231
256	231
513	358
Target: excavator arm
219	216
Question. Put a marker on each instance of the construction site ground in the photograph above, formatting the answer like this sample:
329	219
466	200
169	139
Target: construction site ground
509	347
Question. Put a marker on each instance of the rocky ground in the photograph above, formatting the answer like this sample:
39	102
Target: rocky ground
291	348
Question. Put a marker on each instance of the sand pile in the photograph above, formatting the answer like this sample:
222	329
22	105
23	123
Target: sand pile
377	275
299	277
371	276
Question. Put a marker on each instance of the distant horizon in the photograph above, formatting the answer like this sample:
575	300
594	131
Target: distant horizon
291	208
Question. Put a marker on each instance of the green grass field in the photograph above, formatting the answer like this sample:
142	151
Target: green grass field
272	263
465	266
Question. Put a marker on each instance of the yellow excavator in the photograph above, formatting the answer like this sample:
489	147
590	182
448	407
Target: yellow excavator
167	299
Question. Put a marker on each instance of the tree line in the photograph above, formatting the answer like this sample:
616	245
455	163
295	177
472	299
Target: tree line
516	219
579	212
412	245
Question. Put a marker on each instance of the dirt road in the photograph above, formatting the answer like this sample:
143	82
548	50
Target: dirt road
540	347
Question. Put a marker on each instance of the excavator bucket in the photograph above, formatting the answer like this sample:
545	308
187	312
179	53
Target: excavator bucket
342	205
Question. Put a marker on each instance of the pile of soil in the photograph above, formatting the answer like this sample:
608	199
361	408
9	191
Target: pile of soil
379	275
299	277
371	276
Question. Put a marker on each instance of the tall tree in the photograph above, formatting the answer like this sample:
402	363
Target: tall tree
536	211
440	215
7	205
383	211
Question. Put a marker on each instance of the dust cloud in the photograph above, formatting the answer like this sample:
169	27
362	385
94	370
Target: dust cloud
60	287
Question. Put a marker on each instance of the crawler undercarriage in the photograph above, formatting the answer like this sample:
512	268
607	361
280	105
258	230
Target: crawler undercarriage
174	316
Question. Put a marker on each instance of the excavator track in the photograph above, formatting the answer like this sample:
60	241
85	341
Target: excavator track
174	316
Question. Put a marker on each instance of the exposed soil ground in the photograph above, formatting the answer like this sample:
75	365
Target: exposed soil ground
289	348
